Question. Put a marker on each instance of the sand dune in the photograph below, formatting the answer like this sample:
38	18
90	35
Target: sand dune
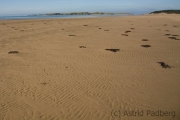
90	68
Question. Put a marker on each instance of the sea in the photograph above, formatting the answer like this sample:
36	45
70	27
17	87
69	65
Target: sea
55	16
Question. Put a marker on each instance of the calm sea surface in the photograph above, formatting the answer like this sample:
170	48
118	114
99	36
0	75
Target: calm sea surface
55	16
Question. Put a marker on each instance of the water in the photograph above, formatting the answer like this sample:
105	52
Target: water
54	16
43	17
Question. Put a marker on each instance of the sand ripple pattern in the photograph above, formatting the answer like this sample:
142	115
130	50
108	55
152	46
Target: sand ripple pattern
52	78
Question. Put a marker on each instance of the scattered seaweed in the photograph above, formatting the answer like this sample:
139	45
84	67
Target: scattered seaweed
124	34
163	65
13	52
145	40
175	35
112	50
127	31
174	38
82	46
146	46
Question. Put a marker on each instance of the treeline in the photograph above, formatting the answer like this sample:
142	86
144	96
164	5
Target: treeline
167	11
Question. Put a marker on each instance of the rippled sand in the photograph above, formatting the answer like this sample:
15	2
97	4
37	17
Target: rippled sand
90	69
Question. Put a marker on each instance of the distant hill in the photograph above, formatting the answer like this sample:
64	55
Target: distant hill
80	13
167	11
84	13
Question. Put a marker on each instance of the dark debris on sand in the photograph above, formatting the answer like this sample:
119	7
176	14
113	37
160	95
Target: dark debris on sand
163	65
174	38
146	46
13	52
112	50
124	34
175	35
145	40
127	31
82	46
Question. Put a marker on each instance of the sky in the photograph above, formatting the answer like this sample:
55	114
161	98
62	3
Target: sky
24	7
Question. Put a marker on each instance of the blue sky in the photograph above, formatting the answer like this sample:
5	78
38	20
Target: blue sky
21	7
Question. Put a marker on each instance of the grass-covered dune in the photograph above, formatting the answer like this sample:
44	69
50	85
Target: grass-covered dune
167	11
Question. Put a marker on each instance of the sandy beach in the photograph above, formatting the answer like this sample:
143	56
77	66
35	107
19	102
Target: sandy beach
111	68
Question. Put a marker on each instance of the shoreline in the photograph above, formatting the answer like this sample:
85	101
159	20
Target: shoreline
56	17
81	16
